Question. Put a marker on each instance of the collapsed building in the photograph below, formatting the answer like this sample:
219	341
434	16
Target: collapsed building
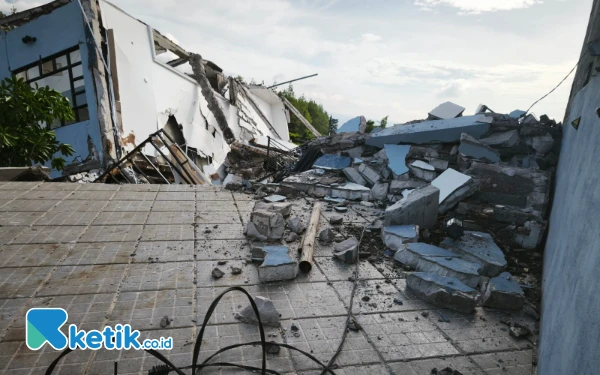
126	81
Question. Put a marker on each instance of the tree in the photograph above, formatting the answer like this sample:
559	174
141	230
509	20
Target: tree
24	112
370	126
333	125
313	112
383	122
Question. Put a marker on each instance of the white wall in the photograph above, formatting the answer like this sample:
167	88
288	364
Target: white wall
150	91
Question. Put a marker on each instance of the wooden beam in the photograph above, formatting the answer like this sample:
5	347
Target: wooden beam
165	43
298	115
308	243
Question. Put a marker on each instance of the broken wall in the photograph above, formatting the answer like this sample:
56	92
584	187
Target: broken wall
150	91
57	31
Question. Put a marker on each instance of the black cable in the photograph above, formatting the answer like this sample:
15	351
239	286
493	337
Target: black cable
557	86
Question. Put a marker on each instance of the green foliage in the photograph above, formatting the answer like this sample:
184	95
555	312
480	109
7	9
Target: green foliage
312	111
371	124
333	125
23	141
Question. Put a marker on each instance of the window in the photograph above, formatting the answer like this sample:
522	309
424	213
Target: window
62	72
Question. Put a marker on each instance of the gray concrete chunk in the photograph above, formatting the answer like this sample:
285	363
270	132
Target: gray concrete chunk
505	139
347	250
269	315
413	252
370	175
480	248
285	209
466	272
472	148
396	236
419	208
278	264
379	191
503	293
423	170
353	175
268	223
399	185
447	292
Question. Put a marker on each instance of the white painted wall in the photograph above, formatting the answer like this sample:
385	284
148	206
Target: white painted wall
150	91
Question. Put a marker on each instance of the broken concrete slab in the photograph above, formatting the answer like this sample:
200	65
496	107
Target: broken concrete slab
533	236
438	164
274	198
356	125
291	237
347	250
379	191
353	175
268	223
480	248
355	152
517	113
285	209
503	293
446	110
269	315
232	179
505	139
454	187
446	292
278	265
465	271
472	148
541	144
295	225
394	237
411	253
332	162
396	155
432	131
253	233
399	185
350	191
419	208
370	175
423	170
336	220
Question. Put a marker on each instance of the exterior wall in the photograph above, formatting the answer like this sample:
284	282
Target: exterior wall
55	32
150	91
569	328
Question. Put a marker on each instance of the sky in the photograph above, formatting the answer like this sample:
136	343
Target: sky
376	58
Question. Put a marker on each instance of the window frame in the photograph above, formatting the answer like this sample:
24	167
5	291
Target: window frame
72	80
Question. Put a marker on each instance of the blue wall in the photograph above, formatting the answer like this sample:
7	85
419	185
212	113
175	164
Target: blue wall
570	327
62	29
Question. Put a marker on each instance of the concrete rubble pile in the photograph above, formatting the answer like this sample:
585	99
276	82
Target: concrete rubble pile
489	173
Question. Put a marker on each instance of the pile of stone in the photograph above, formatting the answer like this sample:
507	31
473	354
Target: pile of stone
85	177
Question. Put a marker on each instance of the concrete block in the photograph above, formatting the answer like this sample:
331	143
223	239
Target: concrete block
505	139
446	110
472	148
332	162
356	125
466	272
355	152
541	144
278	265
285	209
419	208
347	250
396	155
351	191
395	237
379	191
503	293
353	175
269	315
269	224
447	131
232	179
446	292
253	233
399	185
413	252
336	220
480	248
454	187
439	164
295	225
534	237
369	174
423	170
326	235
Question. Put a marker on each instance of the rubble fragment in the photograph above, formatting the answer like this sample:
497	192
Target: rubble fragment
336	220
217	273
480	248
446	110
267	223
369	174
397	186
347	250
541	144
396	155
332	162
454	187
379	191
326	235
291	237
295	225
503	293
278	264
423	170
446	292
354	175
419	208
466	272
475	149
269	315
506	139
356	125
394	237
285	209
274	198
411	253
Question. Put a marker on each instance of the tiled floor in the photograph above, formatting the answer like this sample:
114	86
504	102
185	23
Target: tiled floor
136	253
